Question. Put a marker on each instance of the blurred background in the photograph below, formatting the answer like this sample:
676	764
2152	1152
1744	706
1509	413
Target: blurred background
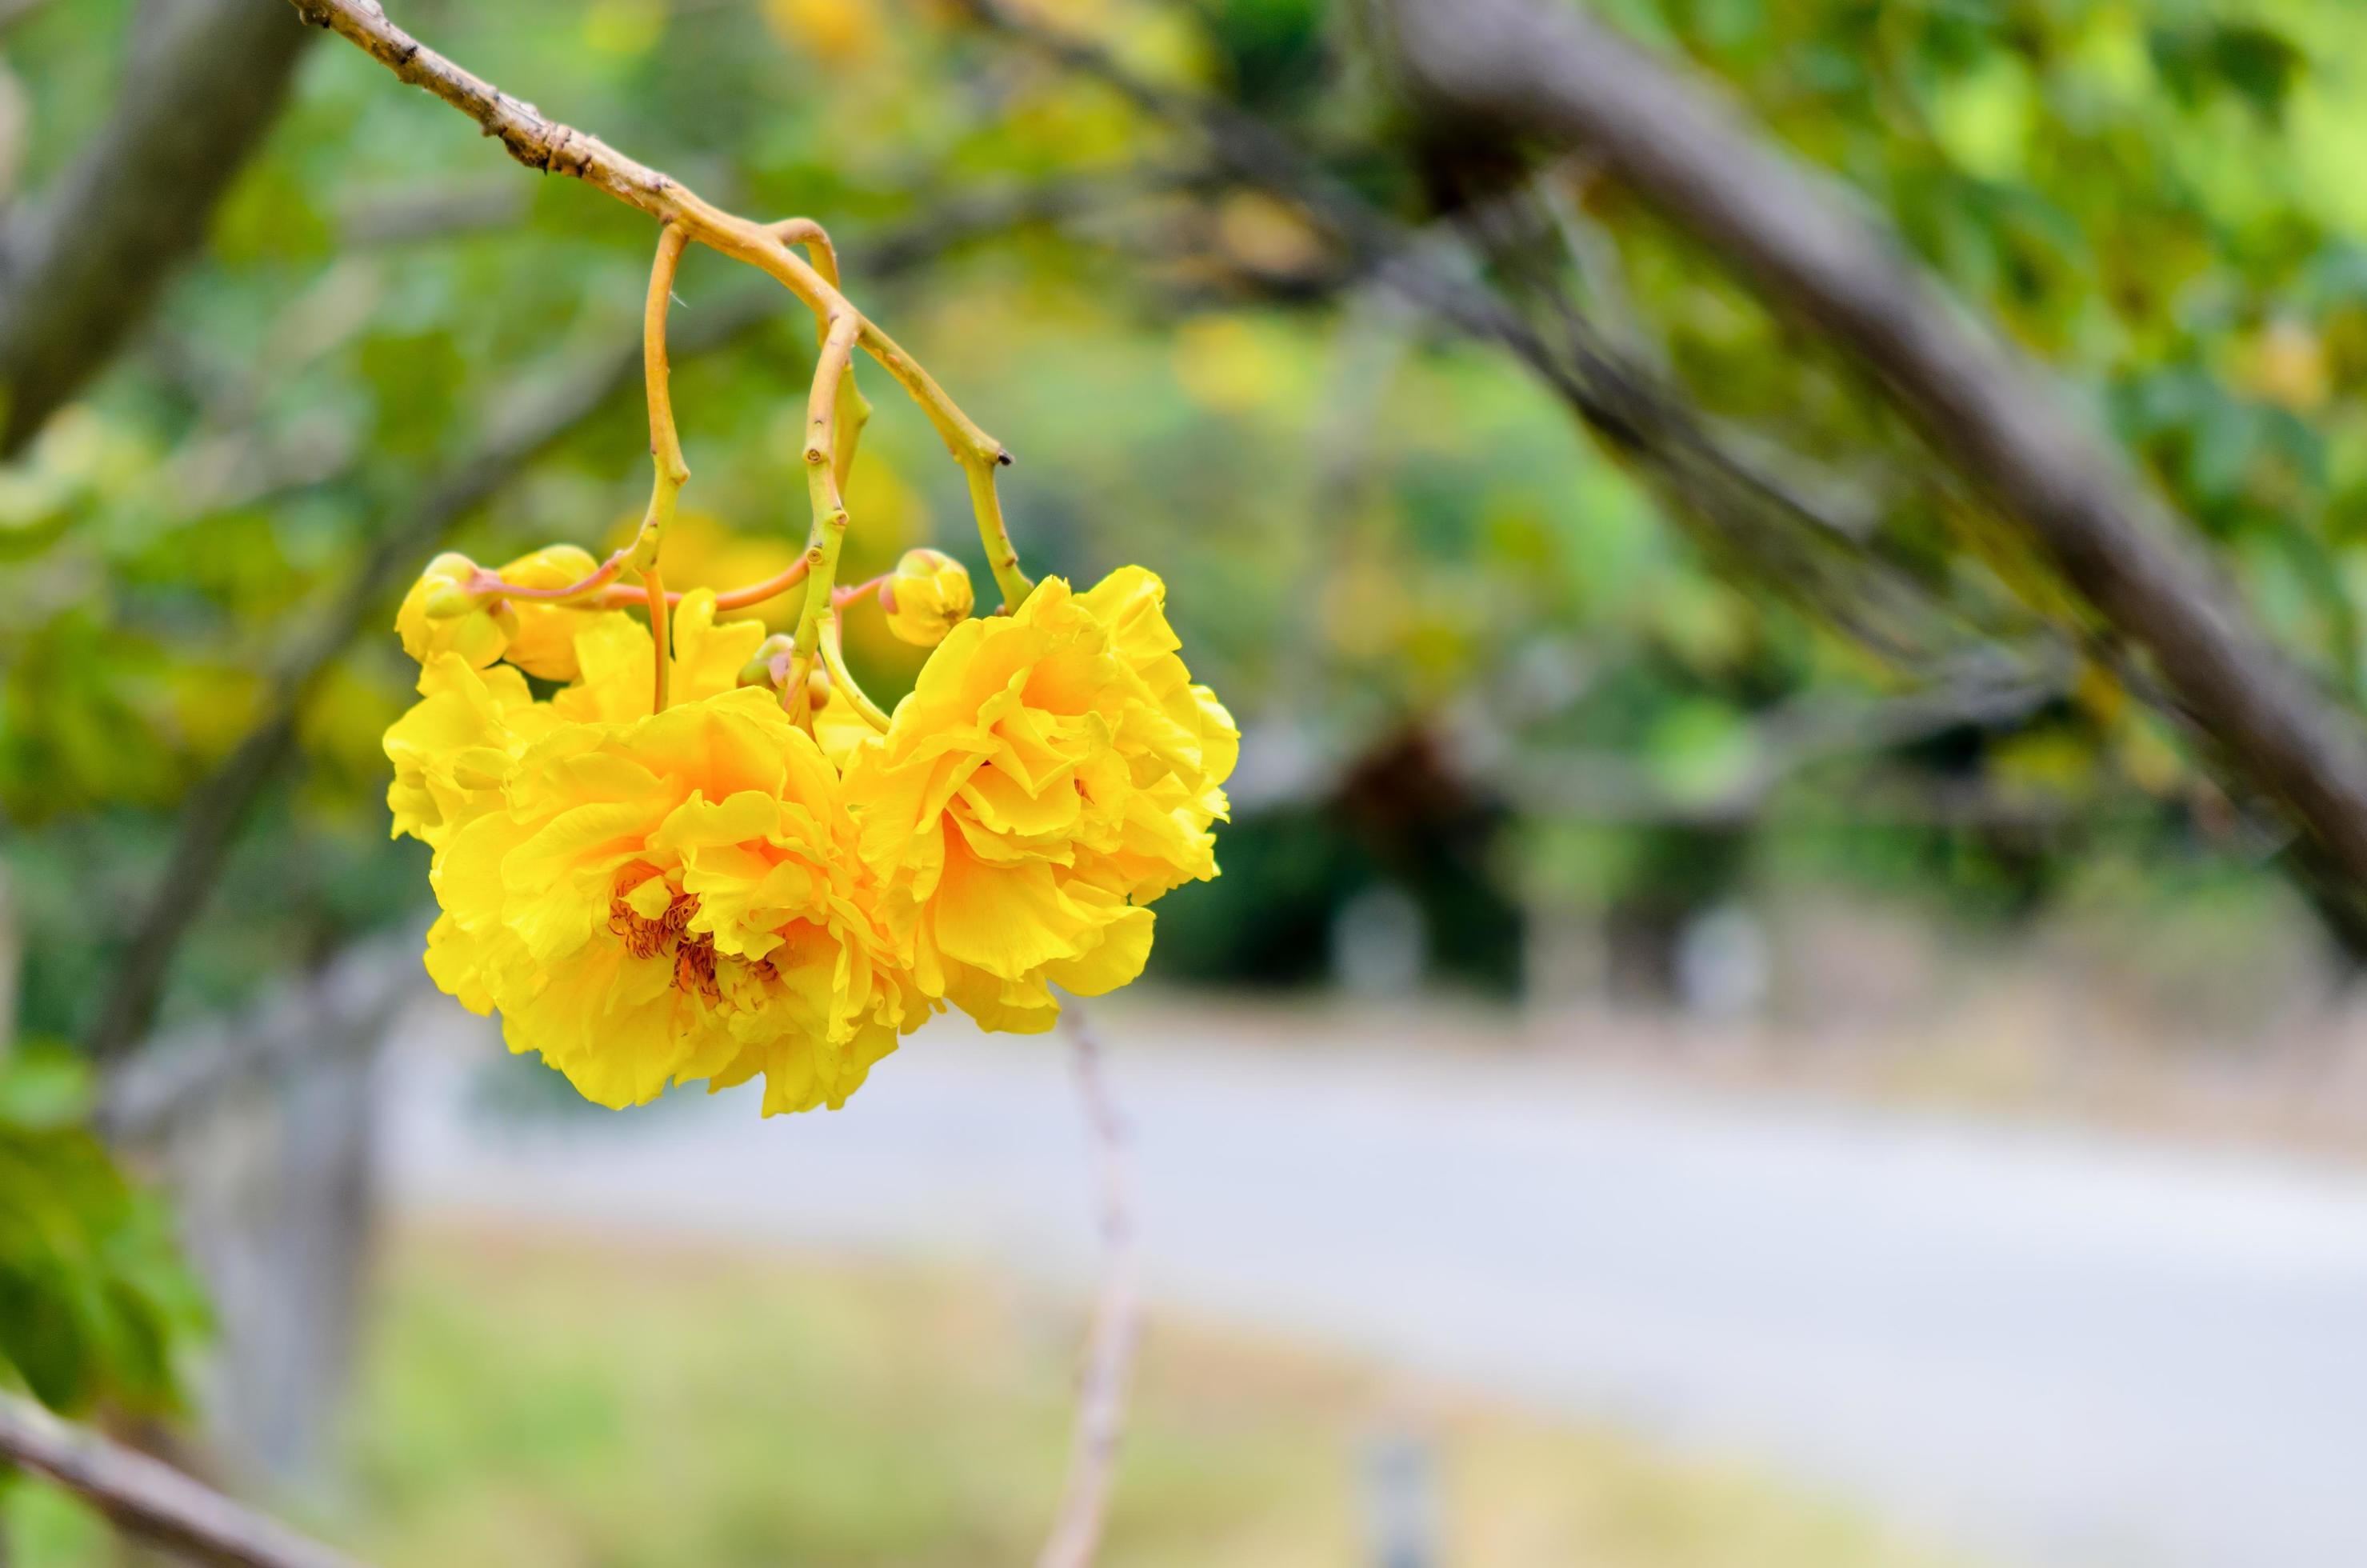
1734	1028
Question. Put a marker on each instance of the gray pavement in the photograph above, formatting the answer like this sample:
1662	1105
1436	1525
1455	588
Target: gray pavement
2042	1347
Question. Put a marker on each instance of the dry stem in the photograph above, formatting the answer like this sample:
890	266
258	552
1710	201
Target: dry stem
1118	1315
149	1497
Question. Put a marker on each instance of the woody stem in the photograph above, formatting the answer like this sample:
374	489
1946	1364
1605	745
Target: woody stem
833	659
821	482
553	148
855	409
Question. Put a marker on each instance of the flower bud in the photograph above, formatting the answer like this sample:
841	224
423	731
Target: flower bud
444	614
444	586
764	667
446	601
927	596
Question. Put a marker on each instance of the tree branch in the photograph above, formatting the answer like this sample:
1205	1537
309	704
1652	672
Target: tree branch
1551	74
1754	522
553	148
150	1498
79	269
1785	744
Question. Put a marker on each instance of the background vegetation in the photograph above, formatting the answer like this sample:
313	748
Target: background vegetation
1493	670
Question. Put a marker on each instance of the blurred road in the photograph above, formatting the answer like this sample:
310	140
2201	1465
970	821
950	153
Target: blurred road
2042	1347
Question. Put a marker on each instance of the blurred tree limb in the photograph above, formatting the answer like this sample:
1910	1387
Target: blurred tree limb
1551	74
81	264
1788	741
1756	524
211	817
150	1498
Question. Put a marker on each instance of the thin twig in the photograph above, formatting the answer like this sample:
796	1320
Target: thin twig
149	1497
672	471
554	147
1118	1317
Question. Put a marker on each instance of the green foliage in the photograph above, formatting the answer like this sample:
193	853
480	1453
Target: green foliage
96	1305
1367	528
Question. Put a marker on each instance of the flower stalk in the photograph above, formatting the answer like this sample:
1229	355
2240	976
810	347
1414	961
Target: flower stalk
551	147
833	659
666	454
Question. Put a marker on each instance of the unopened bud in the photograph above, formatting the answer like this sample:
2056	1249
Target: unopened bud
444	612
768	664
927	597
446	601
444	588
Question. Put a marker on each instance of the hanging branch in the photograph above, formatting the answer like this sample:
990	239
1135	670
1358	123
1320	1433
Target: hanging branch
149	1497
550	147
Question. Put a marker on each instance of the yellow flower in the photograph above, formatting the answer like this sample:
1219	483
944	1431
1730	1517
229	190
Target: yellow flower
445	613
615	660
1053	771
454	748
927	596
674	898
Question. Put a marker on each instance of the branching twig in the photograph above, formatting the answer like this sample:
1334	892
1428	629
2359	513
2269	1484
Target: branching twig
1785	743
553	148
1109	1355
150	1498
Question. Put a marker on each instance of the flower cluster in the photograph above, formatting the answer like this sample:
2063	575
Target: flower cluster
707	891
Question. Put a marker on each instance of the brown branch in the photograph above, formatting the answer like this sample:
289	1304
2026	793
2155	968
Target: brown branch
150	1498
1785	744
550	147
1117	1318
1551	74
79	269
